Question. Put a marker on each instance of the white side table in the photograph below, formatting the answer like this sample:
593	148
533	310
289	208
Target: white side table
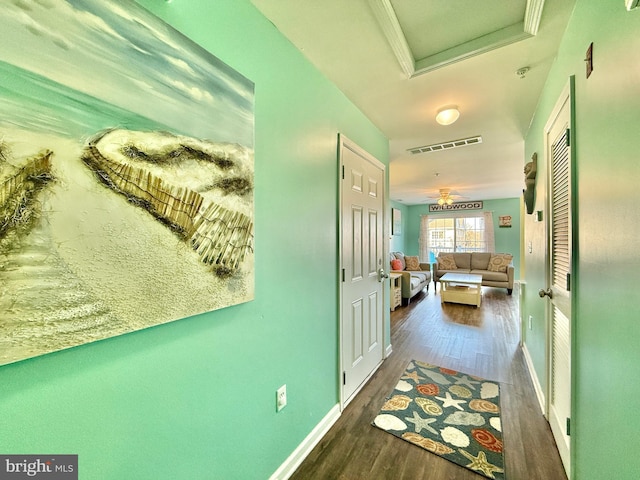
396	290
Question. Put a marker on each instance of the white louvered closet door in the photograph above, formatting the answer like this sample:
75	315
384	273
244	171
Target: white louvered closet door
559	271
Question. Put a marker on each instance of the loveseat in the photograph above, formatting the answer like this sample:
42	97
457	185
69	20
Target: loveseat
415	275
496	268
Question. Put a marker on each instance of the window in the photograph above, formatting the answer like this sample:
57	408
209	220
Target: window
465	233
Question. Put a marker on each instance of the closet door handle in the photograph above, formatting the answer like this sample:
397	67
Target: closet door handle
546	292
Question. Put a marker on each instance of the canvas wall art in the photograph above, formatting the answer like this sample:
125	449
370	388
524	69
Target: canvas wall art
396	221
126	175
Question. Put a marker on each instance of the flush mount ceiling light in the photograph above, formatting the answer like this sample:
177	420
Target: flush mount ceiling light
447	115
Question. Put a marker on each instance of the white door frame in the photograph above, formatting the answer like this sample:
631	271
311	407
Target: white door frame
344	141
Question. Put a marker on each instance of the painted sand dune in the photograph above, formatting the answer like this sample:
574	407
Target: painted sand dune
180	182
158	228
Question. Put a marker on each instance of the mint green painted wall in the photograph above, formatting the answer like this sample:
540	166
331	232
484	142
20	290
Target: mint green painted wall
398	242
507	239
605	318
196	398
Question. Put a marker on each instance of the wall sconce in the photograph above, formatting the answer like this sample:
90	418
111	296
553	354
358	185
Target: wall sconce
447	115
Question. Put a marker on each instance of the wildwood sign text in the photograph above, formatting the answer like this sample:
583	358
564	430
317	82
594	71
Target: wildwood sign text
456	207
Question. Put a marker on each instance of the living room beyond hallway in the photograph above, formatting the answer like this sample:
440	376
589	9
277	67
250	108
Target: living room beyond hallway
480	341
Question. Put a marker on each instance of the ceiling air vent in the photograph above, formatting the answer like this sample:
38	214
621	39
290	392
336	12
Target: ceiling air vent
436	147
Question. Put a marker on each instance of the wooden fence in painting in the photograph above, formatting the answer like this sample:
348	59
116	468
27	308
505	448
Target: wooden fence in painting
18	186
174	205
220	236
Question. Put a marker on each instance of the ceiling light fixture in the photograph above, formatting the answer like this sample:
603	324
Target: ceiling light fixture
447	115
445	197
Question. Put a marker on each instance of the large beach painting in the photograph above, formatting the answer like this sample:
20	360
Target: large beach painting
126	175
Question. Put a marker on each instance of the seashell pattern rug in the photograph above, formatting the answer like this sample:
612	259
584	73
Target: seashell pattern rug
449	413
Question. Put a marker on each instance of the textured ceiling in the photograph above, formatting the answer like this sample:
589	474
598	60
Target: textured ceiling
399	61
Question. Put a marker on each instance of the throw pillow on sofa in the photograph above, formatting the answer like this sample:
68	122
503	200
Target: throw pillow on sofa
396	264
400	256
412	263
446	262
499	262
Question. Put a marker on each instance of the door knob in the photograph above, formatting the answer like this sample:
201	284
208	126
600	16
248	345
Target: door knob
546	292
382	275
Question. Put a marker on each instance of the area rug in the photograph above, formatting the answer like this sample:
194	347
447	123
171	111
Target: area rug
449	413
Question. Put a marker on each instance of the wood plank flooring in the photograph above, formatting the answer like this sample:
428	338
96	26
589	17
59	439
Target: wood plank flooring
480	341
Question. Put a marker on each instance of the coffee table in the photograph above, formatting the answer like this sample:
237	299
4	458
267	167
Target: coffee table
463	288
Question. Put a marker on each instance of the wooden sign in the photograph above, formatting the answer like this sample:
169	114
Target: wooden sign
456	207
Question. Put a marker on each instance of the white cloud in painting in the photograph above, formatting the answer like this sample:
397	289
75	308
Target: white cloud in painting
119	53
96	23
168	40
142	84
195	93
180	65
66	15
35	28
140	49
120	12
126	15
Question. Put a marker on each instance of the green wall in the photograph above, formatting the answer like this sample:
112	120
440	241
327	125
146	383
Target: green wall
605	326
196	398
507	239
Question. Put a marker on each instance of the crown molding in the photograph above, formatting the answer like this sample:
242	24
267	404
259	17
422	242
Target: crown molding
386	16
477	46
412	67
532	16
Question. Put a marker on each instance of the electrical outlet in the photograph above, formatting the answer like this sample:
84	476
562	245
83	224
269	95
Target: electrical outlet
530	321
281	398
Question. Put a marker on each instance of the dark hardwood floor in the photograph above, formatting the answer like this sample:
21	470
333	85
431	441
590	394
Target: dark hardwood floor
480	341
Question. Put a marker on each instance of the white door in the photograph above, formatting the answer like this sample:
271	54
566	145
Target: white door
559	266
362	253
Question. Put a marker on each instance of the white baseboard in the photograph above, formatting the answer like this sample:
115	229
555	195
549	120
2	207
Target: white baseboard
534	379
300	453
388	351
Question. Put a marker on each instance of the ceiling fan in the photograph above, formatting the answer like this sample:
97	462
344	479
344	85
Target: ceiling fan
447	196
